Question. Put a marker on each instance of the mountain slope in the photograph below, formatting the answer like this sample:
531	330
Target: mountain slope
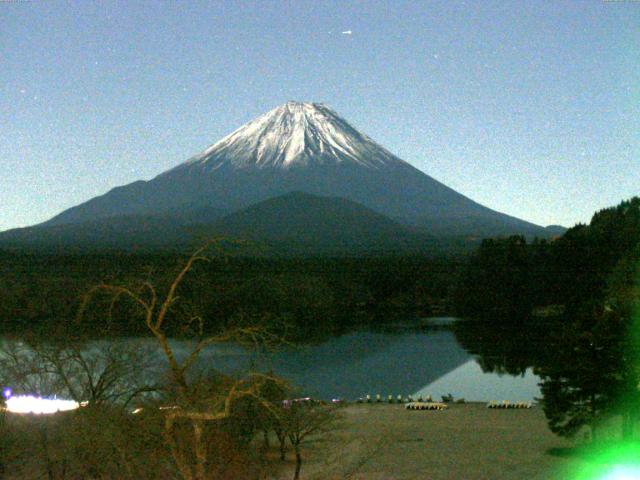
124	232
309	148
304	223
292	224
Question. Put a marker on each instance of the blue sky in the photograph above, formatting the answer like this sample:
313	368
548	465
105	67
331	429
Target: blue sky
531	108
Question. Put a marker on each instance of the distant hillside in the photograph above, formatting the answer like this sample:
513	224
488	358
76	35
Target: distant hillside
555	230
302	222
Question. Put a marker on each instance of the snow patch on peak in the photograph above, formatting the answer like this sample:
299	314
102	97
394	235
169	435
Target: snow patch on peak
295	133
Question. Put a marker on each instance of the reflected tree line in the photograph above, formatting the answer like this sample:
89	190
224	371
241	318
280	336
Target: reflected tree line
568	308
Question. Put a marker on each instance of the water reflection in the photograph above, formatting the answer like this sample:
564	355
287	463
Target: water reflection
365	362
470	382
510	349
390	362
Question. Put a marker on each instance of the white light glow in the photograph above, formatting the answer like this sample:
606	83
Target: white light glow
39	405
623	472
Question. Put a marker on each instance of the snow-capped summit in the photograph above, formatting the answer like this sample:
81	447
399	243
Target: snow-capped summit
295	133
300	147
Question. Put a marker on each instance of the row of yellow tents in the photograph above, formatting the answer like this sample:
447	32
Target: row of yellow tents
506	404
426	406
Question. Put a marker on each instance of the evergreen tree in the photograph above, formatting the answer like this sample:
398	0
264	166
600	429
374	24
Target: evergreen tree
581	381
596	368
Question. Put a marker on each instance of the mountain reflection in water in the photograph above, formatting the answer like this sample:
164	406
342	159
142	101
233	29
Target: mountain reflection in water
396	361
367	362
468	381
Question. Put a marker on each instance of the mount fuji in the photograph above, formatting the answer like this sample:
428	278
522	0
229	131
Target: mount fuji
296	147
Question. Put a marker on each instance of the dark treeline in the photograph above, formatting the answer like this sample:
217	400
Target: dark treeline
566	307
313	296
507	279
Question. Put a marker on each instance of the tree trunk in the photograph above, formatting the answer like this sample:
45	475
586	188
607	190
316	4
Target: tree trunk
296	475
265	435
44	439
282	438
200	451
181	462
283	449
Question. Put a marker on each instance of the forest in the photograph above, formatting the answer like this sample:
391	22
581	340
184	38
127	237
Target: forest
569	309
313	296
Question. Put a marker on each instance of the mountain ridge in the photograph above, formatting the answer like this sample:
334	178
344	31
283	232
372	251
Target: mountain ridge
303	147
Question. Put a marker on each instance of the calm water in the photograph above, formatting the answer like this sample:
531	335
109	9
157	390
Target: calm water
402	362
398	362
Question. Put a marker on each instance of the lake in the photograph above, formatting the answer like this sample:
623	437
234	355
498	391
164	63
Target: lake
398	361
401	360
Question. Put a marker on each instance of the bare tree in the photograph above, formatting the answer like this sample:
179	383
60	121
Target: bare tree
195	406
272	419
93	373
302	419
103	376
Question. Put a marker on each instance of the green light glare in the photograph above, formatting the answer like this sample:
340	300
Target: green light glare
606	458
619	461
622	472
